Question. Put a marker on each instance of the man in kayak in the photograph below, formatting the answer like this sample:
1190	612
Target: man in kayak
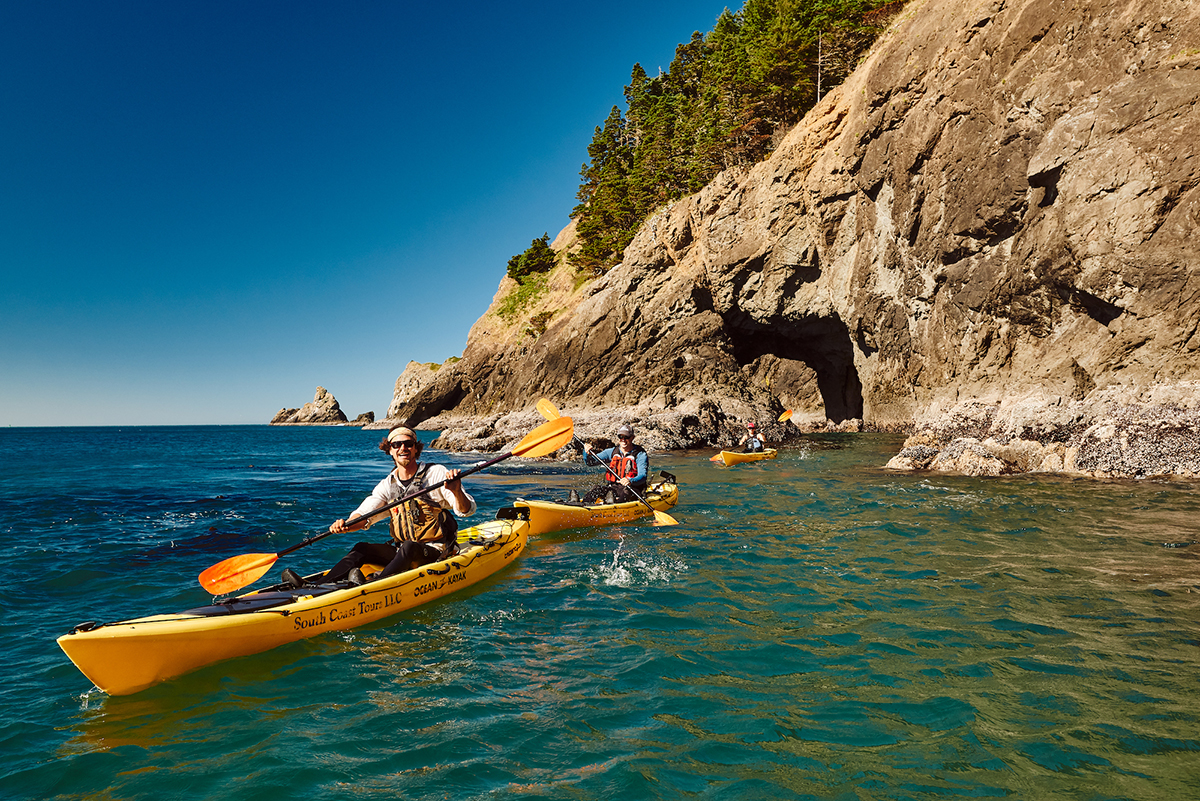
423	529
629	469
752	441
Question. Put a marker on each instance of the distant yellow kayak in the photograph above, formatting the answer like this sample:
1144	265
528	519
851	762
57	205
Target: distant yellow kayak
125	657
730	458
548	516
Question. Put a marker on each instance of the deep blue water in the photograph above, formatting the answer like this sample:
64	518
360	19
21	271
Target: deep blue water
815	628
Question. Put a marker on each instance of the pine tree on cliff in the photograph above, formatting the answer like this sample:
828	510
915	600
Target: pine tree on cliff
606	211
725	98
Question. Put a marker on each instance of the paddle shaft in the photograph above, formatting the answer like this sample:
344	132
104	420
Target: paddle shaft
405	499
586	454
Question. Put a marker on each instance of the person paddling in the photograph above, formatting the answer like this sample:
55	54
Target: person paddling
630	469
753	441
423	529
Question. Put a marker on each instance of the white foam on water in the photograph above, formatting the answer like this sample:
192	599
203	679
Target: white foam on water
637	569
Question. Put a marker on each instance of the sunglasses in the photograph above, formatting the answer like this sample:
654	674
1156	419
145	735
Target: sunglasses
622	436
403	443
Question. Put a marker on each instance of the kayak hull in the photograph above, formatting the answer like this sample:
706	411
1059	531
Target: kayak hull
546	516
730	458
125	657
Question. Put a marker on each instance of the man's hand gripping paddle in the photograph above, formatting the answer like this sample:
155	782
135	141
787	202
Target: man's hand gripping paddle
238	571
550	412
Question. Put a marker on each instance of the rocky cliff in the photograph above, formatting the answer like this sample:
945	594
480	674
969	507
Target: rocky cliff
998	206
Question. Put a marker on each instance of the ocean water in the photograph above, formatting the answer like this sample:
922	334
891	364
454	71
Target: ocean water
814	628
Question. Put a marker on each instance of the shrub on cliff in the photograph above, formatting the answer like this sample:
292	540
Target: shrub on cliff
522	296
539	257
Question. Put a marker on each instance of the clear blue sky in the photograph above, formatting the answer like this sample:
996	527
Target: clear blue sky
209	208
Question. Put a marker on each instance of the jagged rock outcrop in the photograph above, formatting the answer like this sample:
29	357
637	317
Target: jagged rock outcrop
364	419
322	410
998	205
416	376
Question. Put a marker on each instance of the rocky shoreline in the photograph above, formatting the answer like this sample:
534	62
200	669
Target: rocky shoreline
1108	435
983	239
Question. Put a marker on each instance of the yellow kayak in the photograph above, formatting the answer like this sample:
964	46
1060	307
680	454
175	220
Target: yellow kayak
131	655
548	516
730	458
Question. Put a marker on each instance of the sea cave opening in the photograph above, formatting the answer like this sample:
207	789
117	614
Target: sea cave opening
821	343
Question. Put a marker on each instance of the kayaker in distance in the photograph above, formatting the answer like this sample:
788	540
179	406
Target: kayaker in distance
628	461
753	442
423	529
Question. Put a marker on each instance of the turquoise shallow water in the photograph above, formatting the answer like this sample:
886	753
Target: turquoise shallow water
815	628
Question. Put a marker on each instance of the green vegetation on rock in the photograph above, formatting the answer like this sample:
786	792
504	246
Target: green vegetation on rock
539	257
523	295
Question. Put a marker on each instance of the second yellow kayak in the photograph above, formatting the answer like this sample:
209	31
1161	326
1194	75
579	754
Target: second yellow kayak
730	458
548	516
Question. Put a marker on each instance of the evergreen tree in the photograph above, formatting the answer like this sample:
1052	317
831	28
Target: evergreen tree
539	257
725	98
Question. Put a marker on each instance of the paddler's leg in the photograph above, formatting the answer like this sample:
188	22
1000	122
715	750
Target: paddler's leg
625	494
594	495
411	555
360	554
405	559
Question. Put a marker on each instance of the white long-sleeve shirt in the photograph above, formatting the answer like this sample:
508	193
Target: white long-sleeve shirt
391	489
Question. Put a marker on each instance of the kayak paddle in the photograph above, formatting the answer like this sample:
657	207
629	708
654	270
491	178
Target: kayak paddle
550	412
238	571
782	418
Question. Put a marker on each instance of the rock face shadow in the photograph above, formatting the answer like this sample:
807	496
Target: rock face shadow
821	344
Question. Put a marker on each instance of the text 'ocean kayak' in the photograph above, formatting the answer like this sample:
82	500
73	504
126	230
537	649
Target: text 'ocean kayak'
131	655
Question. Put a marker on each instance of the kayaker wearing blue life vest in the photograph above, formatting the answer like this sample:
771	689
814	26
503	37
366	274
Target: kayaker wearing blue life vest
628	461
423	529
752	441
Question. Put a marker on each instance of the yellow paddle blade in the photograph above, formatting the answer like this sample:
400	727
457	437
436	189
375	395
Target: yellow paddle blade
785	416
664	519
547	409
236	572
546	438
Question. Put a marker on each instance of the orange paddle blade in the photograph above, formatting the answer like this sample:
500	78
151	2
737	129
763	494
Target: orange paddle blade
717	458
236	572
548	410
546	438
785	416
